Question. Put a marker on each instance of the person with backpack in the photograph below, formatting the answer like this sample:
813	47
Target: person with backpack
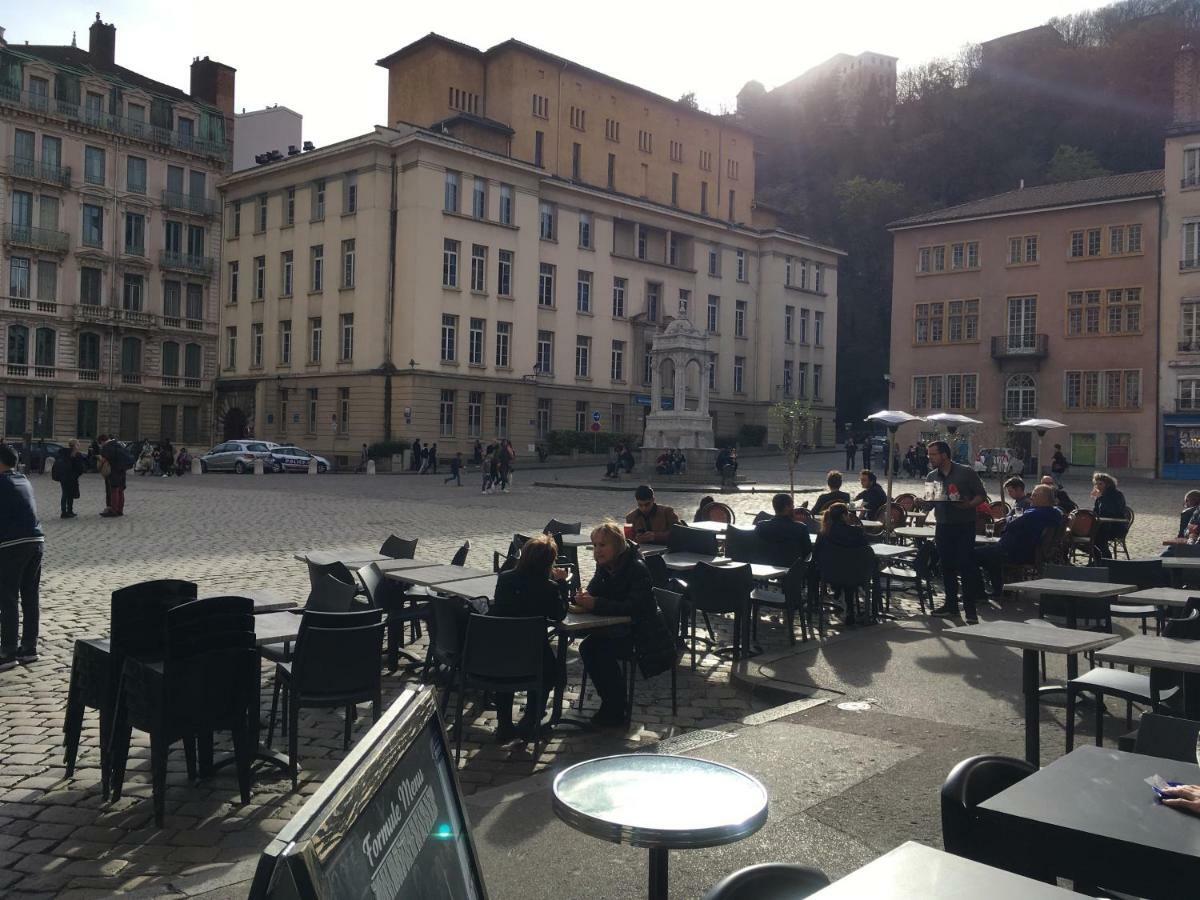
114	463
1058	465
68	466
21	545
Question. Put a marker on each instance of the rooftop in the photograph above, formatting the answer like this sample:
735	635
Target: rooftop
1068	193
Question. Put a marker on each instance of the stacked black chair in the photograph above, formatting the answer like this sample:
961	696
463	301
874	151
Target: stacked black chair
338	570
790	599
336	665
769	881
447	634
460	555
692	540
720	590
206	681
1167	737
136	629
399	548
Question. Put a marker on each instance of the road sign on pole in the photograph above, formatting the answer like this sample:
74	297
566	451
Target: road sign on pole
596	416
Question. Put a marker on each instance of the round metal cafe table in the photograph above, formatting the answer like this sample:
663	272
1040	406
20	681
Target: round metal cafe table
662	803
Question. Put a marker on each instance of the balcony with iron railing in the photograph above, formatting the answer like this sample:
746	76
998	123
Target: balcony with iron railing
1020	346
95	118
186	262
201	206
30	305
40	171
35	238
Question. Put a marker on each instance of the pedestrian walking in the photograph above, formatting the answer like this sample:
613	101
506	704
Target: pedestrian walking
433	460
67	468
954	491
424	467
866	454
851	452
21	544
115	461
415	464
456	465
490	469
507	455
363	456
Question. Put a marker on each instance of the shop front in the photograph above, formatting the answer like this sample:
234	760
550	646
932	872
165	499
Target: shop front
1181	447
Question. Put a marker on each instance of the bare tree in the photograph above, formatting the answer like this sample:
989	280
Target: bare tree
793	418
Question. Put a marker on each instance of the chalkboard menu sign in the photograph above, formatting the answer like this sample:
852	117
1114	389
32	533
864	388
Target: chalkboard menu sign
388	822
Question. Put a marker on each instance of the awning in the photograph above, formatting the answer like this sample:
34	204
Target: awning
1182	421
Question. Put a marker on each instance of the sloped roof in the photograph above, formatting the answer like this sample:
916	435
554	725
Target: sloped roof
83	62
1067	193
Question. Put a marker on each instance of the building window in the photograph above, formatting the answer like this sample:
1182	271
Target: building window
314	339
714	263
618	299
645	141
739	318
789	315
260	277
475	342
289	206
673	249
316	255
506	204
583	292
1106	389
503	344
1190	256
91	286
343	423
578	118
714	314
19	277
581	415
501	417
539	143
235	217
1093	242
479	198
231	346
545	284
674	188
93	226
318	200
741	265
1020	397
93	165
449	338
576	161
946	322
612	171
818	328
739	366
732	202
350	193
260	214
285	273
504	273
543	418
478	268
803	325
134	292
450	201
256	344
346	320
585	230
641	241
450	263
653	294
135	175
1022	249
818	277
583	357
285	342
647	367
474	413
312	410
1187	397
546	224
612	130
541	106
348	260
617	370
544	363
816	381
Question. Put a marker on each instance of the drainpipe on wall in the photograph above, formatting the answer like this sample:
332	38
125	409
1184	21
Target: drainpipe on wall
390	306
1158	413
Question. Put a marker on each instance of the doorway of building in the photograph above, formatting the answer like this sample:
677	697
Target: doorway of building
235	424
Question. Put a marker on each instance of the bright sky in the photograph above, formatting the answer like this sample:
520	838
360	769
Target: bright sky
319	57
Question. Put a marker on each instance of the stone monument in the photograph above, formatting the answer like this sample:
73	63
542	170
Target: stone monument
679	351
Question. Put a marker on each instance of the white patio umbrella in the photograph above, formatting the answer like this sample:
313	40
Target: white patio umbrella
952	421
893	419
1041	426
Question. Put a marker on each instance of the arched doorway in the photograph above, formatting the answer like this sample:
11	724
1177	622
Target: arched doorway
1020	398
234	424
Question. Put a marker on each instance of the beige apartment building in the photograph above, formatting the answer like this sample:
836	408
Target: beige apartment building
1037	302
1180	342
109	232
431	279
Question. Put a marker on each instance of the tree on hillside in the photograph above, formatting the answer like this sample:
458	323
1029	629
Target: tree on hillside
1073	164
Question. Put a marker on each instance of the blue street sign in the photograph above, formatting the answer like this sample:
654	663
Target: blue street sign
596	416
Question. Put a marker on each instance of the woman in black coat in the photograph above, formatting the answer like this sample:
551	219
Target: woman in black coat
1109	504
534	587
67	469
838	532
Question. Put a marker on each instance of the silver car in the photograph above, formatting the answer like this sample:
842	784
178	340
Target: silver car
237	456
295	459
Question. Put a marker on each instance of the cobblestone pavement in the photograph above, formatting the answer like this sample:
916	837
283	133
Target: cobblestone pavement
225	532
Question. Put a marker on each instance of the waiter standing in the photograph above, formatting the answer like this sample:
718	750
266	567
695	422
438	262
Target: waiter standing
954	490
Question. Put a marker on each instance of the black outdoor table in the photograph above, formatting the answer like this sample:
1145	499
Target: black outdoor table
1031	640
1091	817
661	802
265	600
915	872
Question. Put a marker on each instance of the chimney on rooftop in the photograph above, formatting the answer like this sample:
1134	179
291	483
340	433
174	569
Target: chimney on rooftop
102	41
212	83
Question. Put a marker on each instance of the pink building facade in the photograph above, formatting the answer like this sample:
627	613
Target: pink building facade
1038	302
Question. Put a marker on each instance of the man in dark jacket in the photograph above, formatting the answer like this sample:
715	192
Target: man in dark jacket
1021	538
872	496
785	539
118	463
621	587
67	470
21	542
651	522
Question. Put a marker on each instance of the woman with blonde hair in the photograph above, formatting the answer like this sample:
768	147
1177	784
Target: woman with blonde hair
621	587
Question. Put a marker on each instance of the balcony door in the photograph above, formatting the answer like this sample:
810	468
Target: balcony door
1022	324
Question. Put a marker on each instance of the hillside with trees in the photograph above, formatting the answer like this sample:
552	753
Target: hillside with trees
1084	95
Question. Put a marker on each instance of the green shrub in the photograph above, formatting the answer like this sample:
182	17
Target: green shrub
752	435
561	443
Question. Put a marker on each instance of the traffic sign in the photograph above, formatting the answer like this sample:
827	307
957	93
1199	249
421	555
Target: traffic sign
596	417
595	426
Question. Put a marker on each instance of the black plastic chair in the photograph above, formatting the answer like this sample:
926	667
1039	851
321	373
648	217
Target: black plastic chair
447	634
790	599
338	570
1145	573
399	548
692	540
206	681
1167	737
500	654
399	610
769	881
720	590
336	665
555	528
331	594
851	569
460	555
744	545
136	628
964	833
1076	573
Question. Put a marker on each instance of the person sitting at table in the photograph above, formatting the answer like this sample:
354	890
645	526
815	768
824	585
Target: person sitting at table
839	530
622	586
534	587
1190	515
1061	498
702	510
835	494
785	540
1015	488
1022	536
1109	504
651	522
872	496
